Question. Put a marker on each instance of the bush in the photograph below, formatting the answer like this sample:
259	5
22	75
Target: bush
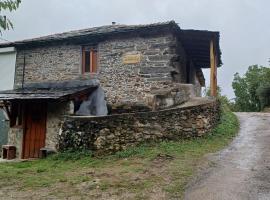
264	95
246	88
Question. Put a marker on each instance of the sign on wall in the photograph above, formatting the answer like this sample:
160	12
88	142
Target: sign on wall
132	58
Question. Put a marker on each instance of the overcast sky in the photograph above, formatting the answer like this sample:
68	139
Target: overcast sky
244	25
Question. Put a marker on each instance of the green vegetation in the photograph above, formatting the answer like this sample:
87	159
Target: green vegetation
263	93
149	171
9	5
223	99
252	87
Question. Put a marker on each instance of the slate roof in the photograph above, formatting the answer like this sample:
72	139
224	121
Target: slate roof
197	45
49	90
196	42
98	33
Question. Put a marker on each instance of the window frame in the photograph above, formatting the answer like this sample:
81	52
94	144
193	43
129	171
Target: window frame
93	68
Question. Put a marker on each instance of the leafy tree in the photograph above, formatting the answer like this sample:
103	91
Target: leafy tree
222	98
7	5
263	93
245	88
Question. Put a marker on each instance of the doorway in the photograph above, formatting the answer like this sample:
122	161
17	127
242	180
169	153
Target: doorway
34	129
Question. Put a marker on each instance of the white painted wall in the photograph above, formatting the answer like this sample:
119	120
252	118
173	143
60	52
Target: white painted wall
7	71
7	67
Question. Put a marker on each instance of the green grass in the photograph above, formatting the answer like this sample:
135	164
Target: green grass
167	165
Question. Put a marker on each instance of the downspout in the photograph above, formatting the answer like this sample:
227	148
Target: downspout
23	71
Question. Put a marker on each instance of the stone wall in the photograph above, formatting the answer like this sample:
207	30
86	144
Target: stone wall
116	132
48	63
132	83
55	115
15	137
162	64
197	87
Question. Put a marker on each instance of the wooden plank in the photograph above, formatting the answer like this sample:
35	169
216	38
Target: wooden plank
38	143
32	134
35	134
42	136
213	71
40	131
94	62
24	129
83	60
27	133
91	61
37	138
44	126
34	129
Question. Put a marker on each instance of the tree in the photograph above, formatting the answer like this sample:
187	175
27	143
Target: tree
224	100
245	88
9	5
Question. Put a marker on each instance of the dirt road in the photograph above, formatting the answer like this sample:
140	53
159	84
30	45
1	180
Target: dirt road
241	171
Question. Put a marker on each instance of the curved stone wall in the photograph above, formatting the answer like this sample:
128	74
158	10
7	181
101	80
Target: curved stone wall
108	134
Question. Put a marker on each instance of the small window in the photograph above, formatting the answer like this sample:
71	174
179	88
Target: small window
89	60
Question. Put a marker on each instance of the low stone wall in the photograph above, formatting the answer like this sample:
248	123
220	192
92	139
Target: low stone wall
112	133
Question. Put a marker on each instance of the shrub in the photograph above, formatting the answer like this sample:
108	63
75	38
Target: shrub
264	95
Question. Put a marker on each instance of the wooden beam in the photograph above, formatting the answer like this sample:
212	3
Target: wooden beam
213	71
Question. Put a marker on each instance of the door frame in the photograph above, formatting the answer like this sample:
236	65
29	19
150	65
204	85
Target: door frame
25	113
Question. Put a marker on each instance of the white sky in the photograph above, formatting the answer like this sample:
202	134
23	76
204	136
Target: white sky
244	25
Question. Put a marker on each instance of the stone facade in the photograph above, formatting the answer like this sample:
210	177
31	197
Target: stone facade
116	132
132	83
15	137
162	63
152	83
197	87
48	63
55	116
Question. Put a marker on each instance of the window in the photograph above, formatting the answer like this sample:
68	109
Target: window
89	60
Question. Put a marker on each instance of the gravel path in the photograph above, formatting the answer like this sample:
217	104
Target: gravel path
241	171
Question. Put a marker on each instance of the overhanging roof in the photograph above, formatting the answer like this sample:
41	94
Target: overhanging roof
95	34
49	90
197	45
195	42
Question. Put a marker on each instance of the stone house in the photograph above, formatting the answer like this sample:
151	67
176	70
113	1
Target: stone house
103	70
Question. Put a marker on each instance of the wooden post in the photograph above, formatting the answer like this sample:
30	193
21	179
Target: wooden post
213	71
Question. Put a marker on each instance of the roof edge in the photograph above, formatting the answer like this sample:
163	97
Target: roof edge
94	31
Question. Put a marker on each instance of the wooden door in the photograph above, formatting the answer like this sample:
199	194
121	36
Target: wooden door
34	129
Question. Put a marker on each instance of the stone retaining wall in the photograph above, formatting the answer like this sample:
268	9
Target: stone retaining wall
112	133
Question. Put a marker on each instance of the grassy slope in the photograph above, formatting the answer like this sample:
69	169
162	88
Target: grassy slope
153	171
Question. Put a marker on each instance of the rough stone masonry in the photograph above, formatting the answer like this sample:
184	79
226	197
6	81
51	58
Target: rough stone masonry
112	133
124	83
